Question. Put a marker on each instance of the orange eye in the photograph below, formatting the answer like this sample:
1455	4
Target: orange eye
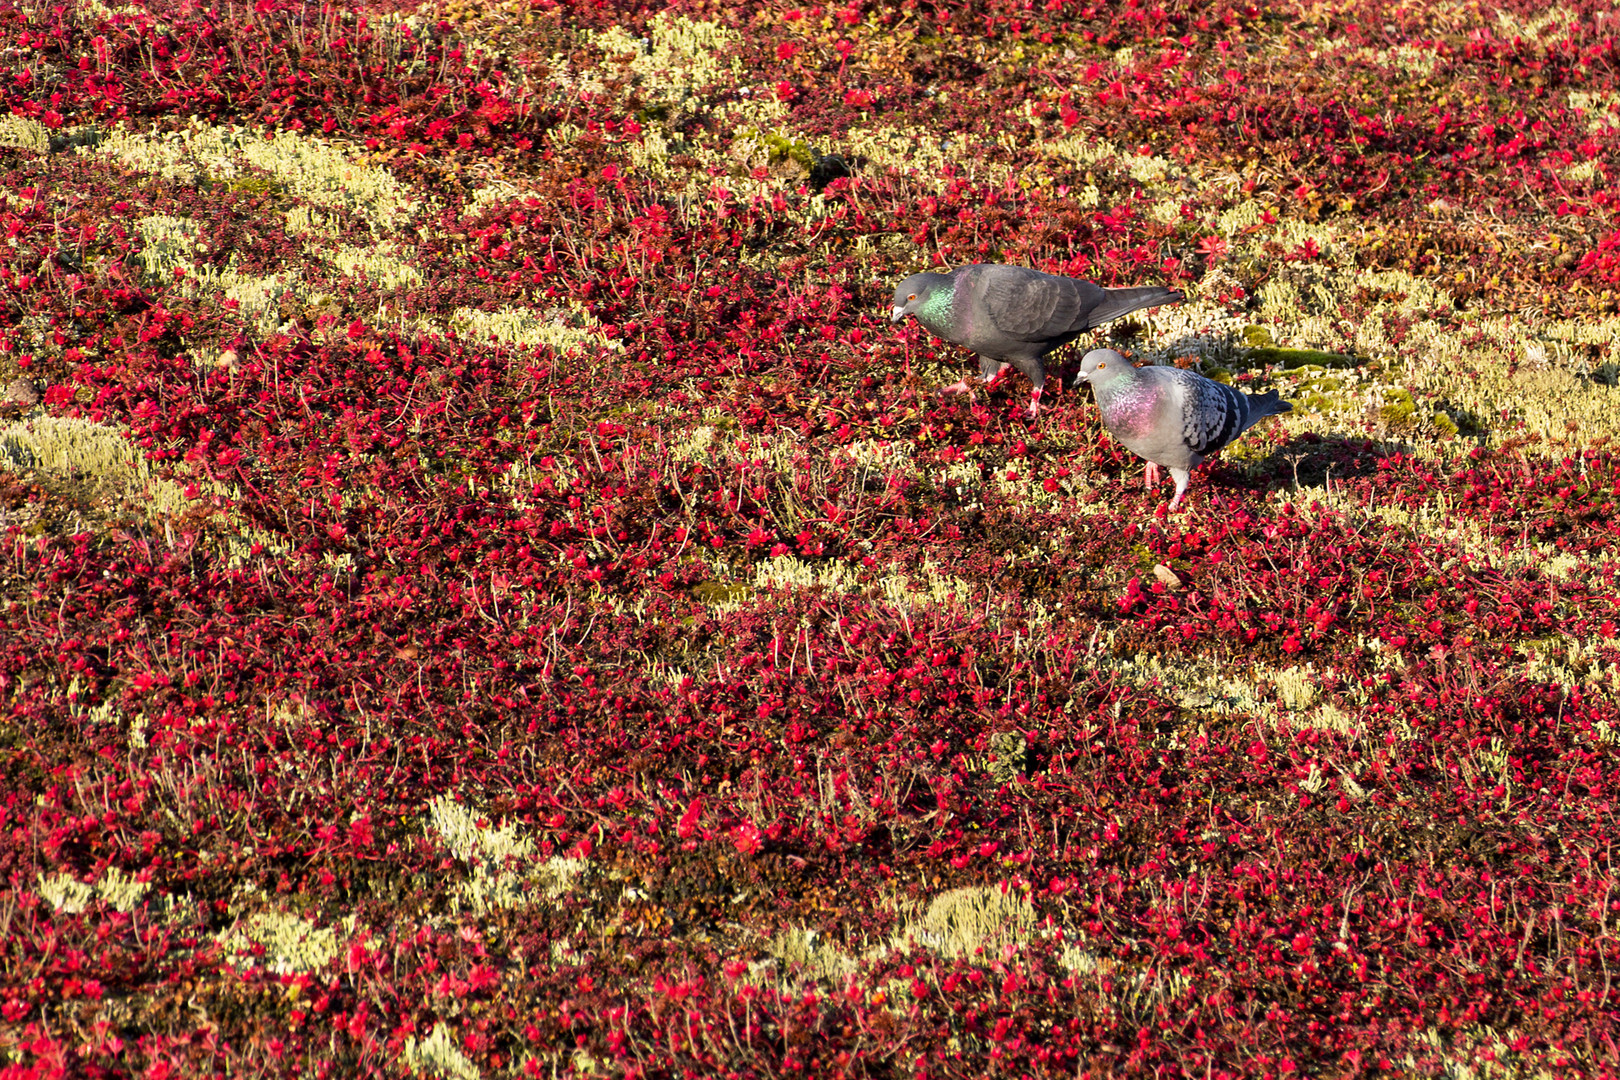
913	296
1101	366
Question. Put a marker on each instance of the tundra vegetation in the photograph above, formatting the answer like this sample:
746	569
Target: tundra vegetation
484	590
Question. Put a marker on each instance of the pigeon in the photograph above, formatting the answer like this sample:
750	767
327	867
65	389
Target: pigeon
1012	315
1170	416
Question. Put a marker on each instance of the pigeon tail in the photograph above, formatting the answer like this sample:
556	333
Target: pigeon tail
1269	403
1117	302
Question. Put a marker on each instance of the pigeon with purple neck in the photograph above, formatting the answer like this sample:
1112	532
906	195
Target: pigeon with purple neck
1171	416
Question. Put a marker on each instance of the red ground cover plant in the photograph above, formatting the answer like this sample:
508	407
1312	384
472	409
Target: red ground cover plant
1313	779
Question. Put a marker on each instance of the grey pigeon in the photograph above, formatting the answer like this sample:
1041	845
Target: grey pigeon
1012	315
1170	416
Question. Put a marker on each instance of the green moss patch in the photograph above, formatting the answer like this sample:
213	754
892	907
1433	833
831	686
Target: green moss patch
1298	358
721	592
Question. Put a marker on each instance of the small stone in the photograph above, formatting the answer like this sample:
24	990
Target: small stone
1167	576
22	391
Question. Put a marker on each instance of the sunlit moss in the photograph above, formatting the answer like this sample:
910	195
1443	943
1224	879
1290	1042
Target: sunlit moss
1398	409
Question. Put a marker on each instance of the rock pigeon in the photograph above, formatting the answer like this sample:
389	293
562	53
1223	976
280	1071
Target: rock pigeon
1170	416
1012	315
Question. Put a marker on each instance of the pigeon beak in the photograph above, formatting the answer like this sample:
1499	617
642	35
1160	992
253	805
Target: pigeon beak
896	314
1082	376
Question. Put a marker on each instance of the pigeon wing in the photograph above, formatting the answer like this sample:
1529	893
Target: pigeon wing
1212	414
1031	306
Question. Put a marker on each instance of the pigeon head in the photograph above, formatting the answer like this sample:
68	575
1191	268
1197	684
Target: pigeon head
912	293
1099	367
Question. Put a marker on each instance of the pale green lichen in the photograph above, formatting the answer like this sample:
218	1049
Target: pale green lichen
803	952
977	922
678	59
566	331
81	449
1569	662
76	448
436	1055
381	264
1412	61
1246	214
1482	1053
1548	24
926	587
312	168
24	134
695	445
291	943
789	572
167	243
1082	154
171	243
65	893
489	849
885	456
1599	110
918	155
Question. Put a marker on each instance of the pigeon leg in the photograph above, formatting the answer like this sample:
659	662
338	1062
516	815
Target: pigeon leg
1152	474
959	387
991	378
1034	402
1181	476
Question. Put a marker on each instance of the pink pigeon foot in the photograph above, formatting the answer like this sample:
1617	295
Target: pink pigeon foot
1034	403
1152	475
960	387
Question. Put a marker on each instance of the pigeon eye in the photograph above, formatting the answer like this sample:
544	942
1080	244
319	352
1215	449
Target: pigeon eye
1101	366
913	296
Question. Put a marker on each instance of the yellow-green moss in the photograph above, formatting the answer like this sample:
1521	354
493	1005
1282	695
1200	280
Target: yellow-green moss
256	185
720	592
1399	409
782	148
1297	358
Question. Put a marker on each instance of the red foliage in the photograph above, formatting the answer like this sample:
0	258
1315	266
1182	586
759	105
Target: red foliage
416	564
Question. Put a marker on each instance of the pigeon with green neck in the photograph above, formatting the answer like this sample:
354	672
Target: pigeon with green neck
1012	316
